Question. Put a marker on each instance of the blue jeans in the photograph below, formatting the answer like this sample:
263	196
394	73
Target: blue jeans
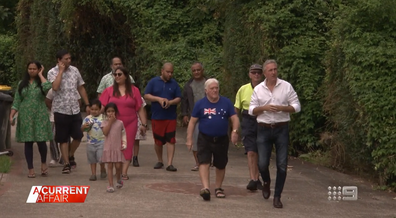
266	138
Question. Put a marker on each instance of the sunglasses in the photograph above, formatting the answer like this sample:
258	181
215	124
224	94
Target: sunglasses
117	74
256	72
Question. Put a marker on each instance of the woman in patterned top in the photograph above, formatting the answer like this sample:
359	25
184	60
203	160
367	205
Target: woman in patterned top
33	124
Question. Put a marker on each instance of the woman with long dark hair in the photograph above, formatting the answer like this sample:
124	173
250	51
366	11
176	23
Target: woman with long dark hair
129	102
33	124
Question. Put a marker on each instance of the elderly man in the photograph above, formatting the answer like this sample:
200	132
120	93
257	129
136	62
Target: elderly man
272	102
249	124
108	79
67	86
164	94
193	91
213	113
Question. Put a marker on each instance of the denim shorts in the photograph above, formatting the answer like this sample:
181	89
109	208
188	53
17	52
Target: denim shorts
94	152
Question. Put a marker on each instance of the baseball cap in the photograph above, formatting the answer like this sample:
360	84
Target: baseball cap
256	67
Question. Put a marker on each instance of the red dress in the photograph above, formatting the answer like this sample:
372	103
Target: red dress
127	112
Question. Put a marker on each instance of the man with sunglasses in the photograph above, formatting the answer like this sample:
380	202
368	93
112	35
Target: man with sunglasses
249	124
108	79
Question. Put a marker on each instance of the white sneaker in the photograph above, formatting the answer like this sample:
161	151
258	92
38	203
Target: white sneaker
54	163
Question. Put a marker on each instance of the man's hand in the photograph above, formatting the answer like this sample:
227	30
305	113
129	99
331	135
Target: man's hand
234	138
186	119
272	108
61	66
189	144
164	103
88	109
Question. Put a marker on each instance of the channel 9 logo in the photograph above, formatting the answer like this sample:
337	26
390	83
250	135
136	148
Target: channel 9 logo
345	193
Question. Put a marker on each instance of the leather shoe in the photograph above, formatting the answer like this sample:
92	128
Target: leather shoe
266	190
277	202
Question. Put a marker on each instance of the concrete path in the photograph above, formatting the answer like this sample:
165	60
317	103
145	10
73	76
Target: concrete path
159	193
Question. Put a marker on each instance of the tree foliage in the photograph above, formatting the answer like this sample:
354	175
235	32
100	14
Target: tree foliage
336	53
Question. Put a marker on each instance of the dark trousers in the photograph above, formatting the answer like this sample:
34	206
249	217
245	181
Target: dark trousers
266	138
42	147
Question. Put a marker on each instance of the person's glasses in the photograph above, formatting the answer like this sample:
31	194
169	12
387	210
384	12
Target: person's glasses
117	74
256	72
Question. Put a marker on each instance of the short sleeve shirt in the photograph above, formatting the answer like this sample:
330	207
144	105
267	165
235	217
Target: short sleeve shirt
243	96
107	81
95	134
65	100
169	90
213	117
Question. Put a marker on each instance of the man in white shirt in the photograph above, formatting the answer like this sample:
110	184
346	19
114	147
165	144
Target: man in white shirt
108	79
272	102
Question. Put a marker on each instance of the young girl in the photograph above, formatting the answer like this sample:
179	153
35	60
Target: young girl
115	142
92	125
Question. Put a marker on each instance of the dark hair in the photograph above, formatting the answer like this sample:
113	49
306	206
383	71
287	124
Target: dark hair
128	83
111	60
61	53
111	105
96	102
197	62
25	81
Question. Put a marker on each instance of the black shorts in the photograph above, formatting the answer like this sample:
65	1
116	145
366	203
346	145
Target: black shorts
249	132
67	126
217	147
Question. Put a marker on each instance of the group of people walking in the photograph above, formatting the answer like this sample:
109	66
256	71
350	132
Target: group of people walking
117	121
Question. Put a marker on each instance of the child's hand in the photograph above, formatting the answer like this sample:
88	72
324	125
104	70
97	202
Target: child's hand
86	125
111	118
123	147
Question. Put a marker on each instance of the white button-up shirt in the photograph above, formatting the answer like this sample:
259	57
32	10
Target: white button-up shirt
283	94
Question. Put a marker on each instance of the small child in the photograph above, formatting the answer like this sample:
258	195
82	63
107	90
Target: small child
95	138
115	142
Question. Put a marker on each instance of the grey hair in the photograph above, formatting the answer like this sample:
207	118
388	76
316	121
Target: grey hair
210	81
197	62
269	61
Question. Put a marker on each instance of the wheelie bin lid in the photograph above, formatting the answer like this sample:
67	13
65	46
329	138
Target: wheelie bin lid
5	88
5	97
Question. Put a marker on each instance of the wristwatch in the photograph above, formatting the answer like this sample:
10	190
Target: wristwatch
145	125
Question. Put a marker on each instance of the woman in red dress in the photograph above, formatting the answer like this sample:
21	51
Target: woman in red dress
129	102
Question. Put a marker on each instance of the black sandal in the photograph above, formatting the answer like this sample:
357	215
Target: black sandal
219	193
205	194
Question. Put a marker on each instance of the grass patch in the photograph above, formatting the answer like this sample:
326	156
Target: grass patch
5	164
317	157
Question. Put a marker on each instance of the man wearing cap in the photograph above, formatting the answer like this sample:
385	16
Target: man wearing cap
249	125
108	79
272	102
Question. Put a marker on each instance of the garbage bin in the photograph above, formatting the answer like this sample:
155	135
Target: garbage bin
5	109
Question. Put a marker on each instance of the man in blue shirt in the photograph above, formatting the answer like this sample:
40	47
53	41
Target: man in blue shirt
212	112
164	94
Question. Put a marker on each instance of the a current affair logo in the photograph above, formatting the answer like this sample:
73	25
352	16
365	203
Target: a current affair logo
58	194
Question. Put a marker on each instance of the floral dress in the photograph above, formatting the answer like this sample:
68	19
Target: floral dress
33	124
